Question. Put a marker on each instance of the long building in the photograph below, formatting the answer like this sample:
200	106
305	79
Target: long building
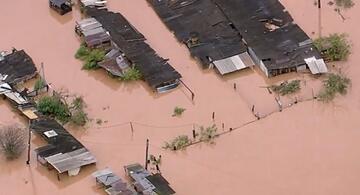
221	28
205	30
156	71
275	42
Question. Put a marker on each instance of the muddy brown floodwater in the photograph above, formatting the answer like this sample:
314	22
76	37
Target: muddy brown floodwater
311	148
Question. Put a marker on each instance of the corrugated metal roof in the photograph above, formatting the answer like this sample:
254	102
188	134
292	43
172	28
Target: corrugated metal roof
72	160
234	63
316	66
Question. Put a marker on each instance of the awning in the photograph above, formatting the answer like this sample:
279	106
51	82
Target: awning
234	63
72	160
316	66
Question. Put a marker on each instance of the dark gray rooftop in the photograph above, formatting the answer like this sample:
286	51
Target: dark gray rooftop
18	66
270	31
155	69
217	39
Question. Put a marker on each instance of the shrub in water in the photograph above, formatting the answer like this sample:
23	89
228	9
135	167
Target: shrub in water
12	141
335	47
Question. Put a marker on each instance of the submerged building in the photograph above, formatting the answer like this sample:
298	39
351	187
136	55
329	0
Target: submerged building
64	152
147	183
61	6
17	67
156	71
92	33
225	33
275	42
111	183
206	31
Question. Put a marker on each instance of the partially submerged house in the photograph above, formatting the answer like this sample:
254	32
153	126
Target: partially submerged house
19	100
92	33
223	33
207	33
115	63
146	183
17	67
64	152
61	6
112	184
156	71
275	42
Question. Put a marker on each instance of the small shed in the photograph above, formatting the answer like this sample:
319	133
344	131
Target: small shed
146	183
112	184
61	6
93	3
92	33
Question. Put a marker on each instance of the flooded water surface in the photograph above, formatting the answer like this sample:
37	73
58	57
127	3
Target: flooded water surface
310	148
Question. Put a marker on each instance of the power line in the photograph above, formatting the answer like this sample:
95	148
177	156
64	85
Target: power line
149	125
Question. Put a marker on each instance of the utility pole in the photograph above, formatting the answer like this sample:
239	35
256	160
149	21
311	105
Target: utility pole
147	154
319	8
42	71
29	143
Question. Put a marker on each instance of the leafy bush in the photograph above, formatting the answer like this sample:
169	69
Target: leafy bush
79	118
180	142
335	47
132	74
178	111
78	103
344	3
334	84
286	88
54	107
82	52
12	141
208	134
90	57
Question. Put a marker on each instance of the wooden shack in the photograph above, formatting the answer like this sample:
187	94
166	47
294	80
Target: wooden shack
145	182
92	33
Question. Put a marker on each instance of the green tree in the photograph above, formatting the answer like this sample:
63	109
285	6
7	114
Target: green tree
334	84
132	74
90	57
286	88
178	143
335	47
